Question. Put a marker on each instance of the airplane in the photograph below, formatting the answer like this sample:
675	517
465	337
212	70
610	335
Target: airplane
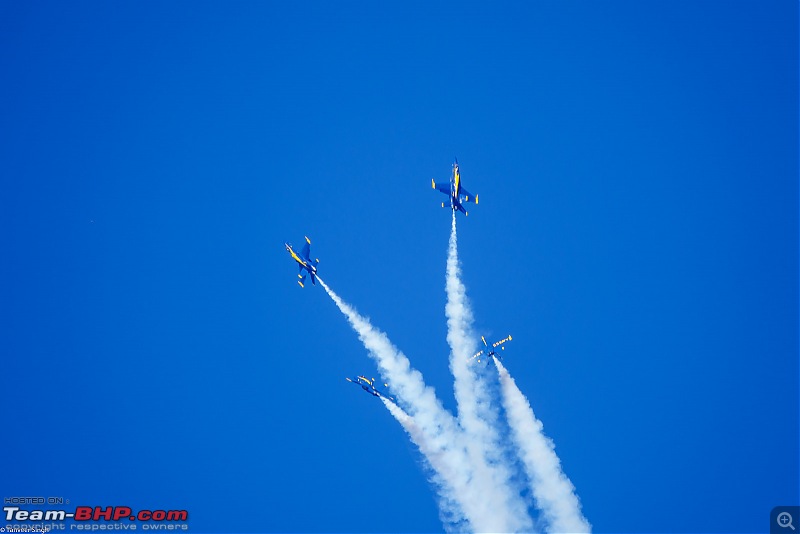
304	262
490	350
369	386
457	193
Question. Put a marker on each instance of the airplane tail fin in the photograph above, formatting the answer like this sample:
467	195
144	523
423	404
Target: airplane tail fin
313	279
302	278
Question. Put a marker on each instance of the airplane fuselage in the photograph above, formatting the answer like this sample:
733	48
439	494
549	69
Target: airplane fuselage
370	391
458	195
369	386
304	262
307	265
455	186
456	181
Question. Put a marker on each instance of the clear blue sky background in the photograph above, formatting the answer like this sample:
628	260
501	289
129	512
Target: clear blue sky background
637	166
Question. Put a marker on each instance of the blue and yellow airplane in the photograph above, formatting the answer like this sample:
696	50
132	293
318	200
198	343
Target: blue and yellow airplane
456	192
489	351
304	262
369	386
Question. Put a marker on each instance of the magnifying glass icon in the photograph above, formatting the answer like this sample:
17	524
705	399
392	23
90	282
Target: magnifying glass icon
785	520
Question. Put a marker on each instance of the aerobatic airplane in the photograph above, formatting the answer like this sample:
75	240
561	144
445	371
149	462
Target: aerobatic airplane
456	192
304	262
490	351
369	386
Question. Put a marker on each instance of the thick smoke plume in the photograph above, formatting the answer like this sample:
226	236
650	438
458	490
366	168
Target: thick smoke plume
477	414
462	501
552	490
471	470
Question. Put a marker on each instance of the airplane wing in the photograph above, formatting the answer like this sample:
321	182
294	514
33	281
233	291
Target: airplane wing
442	188
476	355
498	343
306	252
466	196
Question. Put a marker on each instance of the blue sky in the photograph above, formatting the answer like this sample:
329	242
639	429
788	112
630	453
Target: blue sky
637	233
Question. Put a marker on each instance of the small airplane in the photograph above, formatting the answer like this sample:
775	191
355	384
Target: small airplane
457	193
304	262
369	386
490	351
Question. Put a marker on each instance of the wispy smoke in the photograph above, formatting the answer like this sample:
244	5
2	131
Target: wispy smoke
434	426
501	504
470	465
439	467
552	490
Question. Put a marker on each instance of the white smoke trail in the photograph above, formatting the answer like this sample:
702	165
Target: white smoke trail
460	500
552	490
437	463
477	414
416	435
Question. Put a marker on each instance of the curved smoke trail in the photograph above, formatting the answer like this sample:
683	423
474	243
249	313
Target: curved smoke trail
460	500
472	476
